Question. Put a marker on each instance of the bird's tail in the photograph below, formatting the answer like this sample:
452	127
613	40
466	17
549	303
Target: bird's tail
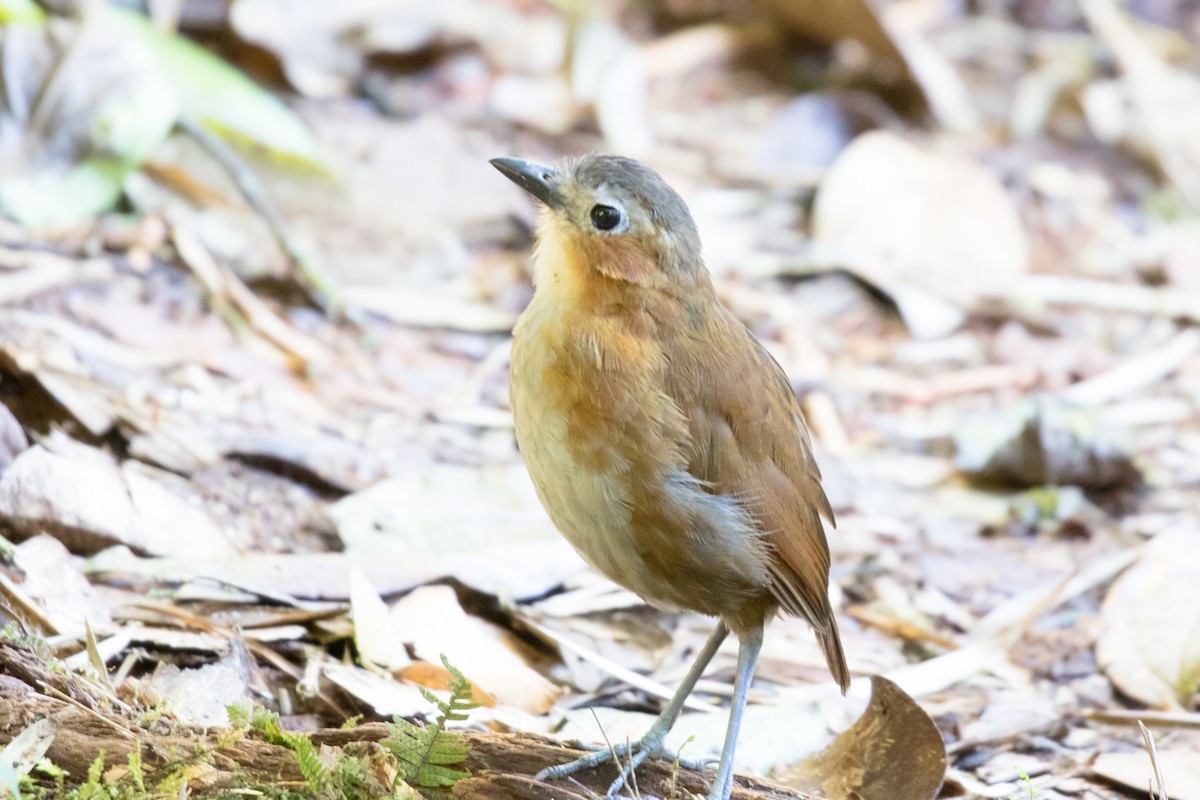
835	656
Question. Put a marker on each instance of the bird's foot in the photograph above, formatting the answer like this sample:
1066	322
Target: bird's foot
628	756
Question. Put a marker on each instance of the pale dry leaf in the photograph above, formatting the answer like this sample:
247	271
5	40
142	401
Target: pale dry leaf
325	576
95	504
310	38
172	639
323	48
67	143
27	748
55	581
1150	645
200	696
485	527
607	70
374	635
936	233
544	103
433	622
1180	769
277	633
107	649
386	696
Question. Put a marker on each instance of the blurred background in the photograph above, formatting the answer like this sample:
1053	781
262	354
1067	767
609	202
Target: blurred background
257	281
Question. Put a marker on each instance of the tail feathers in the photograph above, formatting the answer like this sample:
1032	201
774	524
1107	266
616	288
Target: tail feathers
835	656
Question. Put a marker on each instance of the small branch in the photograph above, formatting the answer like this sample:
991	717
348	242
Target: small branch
324	290
1039	290
1162	719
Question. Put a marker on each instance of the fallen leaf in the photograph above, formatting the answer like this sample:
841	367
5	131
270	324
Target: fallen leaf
184	641
95	502
607	70
200	696
216	94
374	635
1180	769
431	619
24	751
435	676
937	234
386	696
67	152
501	542
1040	442
326	576
1150	645
54	580
893	752
106	650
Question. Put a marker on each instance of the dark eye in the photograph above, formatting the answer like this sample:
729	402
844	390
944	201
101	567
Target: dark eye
605	217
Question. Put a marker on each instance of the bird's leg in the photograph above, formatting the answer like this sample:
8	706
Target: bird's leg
748	649
651	743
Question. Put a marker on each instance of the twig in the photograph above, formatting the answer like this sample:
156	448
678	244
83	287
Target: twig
616	670
1161	794
324	289
1040	290
39	271
1163	719
259	650
927	391
227	292
1000	629
1136	373
51	88
25	606
420	308
55	694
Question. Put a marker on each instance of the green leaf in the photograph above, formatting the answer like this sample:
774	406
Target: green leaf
222	98
310	765
24	11
50	198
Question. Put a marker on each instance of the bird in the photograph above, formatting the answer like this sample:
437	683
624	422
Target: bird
664	441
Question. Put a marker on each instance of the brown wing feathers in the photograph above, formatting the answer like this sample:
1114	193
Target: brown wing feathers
749	441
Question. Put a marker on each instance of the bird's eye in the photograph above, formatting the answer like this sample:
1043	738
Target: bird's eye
605	217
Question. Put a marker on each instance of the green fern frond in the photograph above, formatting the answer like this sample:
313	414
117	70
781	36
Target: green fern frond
426	754
239	715
314	772
310	764
94	789
134	761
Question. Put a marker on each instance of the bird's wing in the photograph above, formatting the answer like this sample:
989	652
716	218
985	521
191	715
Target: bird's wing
748	440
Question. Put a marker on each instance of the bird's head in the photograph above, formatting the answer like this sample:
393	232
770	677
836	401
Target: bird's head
613	216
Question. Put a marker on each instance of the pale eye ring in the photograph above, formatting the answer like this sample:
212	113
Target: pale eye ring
605	218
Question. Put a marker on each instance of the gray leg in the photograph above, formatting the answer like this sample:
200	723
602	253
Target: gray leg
748	650
651	743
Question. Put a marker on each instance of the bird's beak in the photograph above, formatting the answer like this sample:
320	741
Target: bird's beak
534	178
